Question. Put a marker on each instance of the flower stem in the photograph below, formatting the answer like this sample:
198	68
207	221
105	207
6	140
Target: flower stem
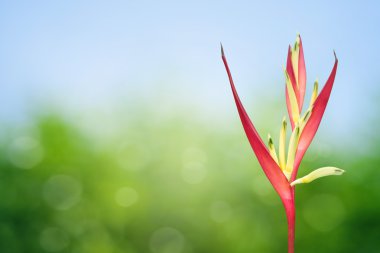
291	217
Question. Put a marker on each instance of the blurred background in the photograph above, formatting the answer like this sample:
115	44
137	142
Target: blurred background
118	130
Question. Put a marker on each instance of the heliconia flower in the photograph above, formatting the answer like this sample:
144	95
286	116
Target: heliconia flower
281	169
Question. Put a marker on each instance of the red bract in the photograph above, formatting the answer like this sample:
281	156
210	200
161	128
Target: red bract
304	128
312	125
270	167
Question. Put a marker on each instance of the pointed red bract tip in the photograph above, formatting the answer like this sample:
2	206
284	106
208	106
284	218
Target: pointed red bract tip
221	49
269	166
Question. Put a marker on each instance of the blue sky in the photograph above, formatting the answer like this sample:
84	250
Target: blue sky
97	55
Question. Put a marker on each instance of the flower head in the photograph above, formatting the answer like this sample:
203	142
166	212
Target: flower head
281	169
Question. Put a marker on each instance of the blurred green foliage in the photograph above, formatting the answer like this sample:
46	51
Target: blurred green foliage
172	186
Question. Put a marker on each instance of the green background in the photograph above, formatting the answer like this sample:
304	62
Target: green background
172	185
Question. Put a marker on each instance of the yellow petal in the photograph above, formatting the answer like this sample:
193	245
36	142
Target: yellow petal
295	58
314	95
282	142
292	98
304	119
321	172
272	150
293	143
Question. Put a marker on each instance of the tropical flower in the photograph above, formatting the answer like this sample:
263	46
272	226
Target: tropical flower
281	168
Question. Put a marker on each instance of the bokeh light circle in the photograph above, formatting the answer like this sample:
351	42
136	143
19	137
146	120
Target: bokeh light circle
25	152
126	196
324	212
54	239
167	240
62	192
220	211
193	172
